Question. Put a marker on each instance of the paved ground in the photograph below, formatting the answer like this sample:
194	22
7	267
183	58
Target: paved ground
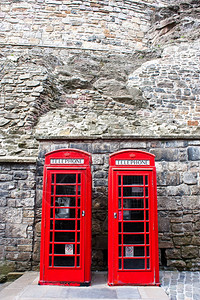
178	285
26	288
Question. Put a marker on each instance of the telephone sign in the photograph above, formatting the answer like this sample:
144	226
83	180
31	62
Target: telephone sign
66	219
132	219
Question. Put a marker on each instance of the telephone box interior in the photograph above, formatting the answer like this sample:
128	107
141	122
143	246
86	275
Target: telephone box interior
132	219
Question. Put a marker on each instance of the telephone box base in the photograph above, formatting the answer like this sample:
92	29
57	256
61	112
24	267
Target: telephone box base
65	283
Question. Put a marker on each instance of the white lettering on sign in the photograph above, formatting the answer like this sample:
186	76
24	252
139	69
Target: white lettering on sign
67	161
138	162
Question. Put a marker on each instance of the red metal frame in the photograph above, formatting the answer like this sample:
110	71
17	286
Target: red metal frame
66	253
132	230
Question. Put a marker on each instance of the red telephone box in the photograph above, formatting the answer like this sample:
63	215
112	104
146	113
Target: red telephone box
66	219
132	219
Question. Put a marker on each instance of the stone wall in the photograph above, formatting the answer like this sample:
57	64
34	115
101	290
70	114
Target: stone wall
17	205
178	180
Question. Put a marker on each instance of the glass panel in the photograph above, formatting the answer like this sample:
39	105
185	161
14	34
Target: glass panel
78	249
52	202
147	203
148	263
65	213
79	178
78	236
138	251
133	239
134	264
78	225
147	238
51	236
133	215
64	237
79	190
120	251
79	201
147	227
65	190
67	249
52	178
120	203
119	192
146	191
50	249
65	178
120	263
133	203
146	180
78	214
64	225
50	261
148	251
130	180
119	180
135	191
51	213
63	261
120	227
52	190
78	261
147	215
66	201
133	227
120	239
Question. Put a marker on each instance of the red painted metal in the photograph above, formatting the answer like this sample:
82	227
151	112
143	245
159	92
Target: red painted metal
132	219
66	219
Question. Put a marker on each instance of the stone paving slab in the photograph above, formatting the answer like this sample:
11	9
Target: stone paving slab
27	288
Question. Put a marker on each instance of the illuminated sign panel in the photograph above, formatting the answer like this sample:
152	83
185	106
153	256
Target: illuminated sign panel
131	162
67	161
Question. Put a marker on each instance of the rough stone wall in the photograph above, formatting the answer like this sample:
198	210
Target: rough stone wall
178	180
17	204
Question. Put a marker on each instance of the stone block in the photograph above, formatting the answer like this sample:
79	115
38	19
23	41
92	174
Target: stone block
193	153
20	175
182	240
189	251
190	178
165	154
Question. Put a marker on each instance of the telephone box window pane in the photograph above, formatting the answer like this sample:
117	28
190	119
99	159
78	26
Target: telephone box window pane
66	201
63	261
130	180
51	236
120	239
120	227
147	191
78	261
79	190
133	215
134	264
78	214
52	178
133	227
51	213
64	225
50	261
65	178
119	192
64	213
120	264
147	227
51	225
78	225
65	190
133	203
79	178
79	201
50	249
78	236
134	191
138	251
147	203
78	249
146	180
147	215
133	239
64	237
148	263
120	251
52	190
147	238
119	180
148	251
52	202
64	249
120	203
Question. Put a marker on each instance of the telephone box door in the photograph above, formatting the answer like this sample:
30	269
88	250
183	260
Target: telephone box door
133	240
66	219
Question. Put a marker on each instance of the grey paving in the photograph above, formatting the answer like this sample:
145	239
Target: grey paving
27	288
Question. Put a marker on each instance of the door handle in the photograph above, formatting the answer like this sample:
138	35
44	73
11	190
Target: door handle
115	215
83	213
